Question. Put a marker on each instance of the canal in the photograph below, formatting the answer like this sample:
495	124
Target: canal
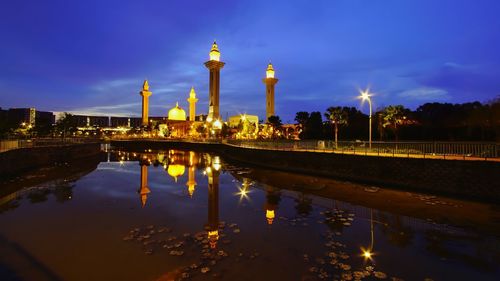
184	215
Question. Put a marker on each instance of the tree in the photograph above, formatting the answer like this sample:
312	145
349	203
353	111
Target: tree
275	123
338	116
314	126
393	117
301	118
66	123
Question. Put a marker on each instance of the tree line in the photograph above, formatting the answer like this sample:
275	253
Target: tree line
472	121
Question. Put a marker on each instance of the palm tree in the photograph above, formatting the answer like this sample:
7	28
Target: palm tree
393	116
338	116
275	123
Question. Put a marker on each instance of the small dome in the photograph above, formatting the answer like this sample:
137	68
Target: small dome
177	113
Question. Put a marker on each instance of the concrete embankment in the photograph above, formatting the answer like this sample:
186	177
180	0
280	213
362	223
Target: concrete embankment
478	180
14	162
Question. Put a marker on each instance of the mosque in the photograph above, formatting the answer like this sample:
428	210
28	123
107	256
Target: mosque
178	125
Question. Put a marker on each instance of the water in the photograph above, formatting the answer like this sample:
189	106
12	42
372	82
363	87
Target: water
173	214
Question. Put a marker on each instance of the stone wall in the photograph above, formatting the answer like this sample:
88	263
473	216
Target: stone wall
479	180
21	160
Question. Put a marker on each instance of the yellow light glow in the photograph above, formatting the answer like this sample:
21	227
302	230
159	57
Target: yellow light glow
270	71
145	86
176	170
209	119
365	95
213	236
191	189
216	163
270	216
367	254
214	52
192	93
218	124
177	113
243	193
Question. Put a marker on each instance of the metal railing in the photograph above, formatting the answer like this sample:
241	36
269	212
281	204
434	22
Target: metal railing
437	150
6	145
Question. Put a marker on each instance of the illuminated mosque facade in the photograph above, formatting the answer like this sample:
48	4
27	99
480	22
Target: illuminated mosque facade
178	124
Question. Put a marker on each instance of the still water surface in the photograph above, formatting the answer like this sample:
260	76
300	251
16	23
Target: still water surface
169	215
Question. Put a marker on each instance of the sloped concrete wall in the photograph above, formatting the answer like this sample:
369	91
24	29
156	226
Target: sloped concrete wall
16	161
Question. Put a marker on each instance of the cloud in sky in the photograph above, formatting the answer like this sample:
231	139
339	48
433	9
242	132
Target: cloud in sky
93	55
425	94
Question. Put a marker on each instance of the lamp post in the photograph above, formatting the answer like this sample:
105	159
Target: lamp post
365	95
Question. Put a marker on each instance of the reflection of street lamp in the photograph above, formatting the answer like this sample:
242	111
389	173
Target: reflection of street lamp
367	254
365	95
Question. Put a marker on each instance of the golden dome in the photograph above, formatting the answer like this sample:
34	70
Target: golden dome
176	170
177	113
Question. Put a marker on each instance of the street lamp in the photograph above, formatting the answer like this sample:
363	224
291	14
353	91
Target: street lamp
365	95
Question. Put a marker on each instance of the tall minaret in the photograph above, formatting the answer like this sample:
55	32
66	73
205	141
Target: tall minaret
192	104
145	93
214	65
270	81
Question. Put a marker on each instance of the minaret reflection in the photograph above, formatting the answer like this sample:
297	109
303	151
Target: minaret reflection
191	183
213	172
144	189
273	198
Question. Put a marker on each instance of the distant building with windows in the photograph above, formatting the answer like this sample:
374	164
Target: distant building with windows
27	116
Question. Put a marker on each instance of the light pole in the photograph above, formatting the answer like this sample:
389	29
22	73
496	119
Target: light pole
365	95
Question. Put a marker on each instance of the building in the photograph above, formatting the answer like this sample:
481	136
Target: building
91	121
244	126
234	121
27	117
130	122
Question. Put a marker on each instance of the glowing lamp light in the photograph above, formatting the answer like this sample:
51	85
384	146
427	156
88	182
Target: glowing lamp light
213	236
270	216
214	52
216	163
367	254
191	190
365	95
218	124
270	71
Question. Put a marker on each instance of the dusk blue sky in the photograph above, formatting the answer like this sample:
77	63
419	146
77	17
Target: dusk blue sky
91	57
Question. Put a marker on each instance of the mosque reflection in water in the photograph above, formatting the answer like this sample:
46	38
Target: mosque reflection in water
175	163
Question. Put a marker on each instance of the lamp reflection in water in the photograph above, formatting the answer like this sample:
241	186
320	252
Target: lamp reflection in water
144	189
272	201
244	190
367	253
213	173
